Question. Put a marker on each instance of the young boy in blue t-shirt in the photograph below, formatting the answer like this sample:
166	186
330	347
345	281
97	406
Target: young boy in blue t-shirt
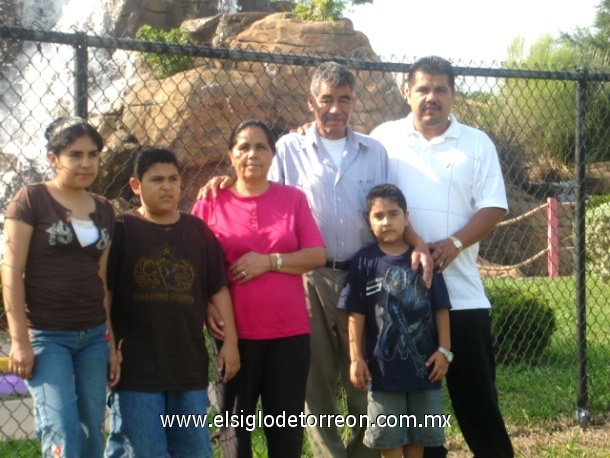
407	334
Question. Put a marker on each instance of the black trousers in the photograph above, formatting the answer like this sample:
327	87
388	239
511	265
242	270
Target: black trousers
471	384
276	371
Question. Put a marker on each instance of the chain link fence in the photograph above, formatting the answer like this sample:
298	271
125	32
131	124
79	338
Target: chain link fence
551	129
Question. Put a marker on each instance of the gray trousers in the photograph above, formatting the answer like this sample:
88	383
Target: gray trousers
329	360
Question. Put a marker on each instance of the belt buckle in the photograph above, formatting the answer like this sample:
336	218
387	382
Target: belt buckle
335	265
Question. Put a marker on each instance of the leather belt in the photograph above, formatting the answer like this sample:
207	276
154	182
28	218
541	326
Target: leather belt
336	264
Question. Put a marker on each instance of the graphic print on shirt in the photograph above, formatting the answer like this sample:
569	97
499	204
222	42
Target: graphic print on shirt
407	317
60	232
165	277
104	240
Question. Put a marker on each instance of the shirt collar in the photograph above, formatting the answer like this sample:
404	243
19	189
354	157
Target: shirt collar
312	136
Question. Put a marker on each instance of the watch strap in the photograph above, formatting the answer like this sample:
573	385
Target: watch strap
457	243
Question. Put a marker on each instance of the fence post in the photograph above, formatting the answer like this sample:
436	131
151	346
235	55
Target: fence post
81	75
582	402
552	237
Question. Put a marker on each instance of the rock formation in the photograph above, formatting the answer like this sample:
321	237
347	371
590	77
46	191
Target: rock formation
193	112
168	14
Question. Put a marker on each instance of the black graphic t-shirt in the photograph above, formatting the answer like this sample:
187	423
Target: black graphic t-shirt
161	278
400	330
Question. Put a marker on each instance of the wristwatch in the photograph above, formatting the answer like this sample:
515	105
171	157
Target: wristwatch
457	243
446	353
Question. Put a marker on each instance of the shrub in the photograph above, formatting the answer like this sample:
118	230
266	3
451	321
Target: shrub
597	236
319	10
164	65
522	324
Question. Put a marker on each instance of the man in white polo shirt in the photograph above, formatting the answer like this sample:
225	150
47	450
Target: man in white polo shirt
451	177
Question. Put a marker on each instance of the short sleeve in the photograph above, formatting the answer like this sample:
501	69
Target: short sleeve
201	209
439	296
20	207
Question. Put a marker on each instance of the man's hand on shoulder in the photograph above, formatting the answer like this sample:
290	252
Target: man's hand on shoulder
443	253
421	256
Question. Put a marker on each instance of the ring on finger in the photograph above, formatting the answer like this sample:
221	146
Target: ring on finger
244	273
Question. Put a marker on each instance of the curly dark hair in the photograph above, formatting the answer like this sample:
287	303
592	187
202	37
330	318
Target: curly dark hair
63	131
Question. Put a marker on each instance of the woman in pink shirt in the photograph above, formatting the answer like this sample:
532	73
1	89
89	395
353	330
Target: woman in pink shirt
269	238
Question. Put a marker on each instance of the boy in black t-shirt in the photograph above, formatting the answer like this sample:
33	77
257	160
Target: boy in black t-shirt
164	267
405	360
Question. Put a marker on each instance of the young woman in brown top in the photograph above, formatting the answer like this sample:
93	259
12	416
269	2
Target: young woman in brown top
57	237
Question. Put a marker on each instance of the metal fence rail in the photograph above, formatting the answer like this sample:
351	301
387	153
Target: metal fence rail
550	128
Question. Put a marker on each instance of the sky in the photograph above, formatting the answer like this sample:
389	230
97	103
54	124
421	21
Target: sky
473	31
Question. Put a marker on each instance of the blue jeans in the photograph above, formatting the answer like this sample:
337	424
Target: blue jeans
136	428
68	385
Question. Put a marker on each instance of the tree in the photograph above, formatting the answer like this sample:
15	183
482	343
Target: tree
541	114
324	10
543	110
594	39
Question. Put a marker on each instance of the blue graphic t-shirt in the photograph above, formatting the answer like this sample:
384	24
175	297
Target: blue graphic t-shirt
400	329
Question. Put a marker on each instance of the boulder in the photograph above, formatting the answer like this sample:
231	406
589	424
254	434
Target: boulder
169	14
279	32
193	113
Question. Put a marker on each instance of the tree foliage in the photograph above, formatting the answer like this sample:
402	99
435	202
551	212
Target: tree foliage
164	65
596	38
545	110
319	10
597	250
323	10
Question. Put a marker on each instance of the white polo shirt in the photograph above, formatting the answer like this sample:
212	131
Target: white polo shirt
446	181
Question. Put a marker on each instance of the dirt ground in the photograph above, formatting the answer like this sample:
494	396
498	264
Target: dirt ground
554	440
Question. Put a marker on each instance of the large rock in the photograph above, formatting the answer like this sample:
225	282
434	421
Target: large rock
279	32
220	29
168	14
192	113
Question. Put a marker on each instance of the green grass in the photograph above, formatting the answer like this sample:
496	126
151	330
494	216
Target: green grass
20	448
546	391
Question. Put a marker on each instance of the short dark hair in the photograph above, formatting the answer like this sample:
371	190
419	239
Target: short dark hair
433	65
149	156
64	131
333	74
386	191
253	123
